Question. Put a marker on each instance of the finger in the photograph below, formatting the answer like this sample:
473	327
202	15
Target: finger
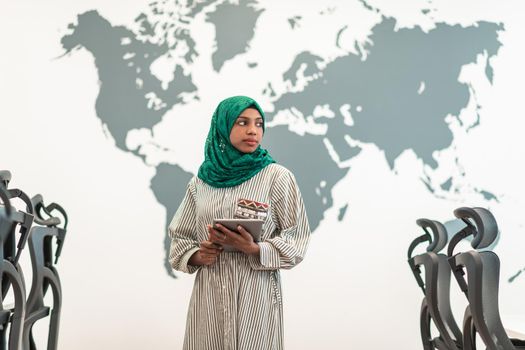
210	245
229	235
222	235
210	229
210	251
218	246
205	244
223	229
208	257
215	240
209	260
205	250
216	233
217	237
218	241
244	233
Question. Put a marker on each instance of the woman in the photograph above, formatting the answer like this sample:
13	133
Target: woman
236	299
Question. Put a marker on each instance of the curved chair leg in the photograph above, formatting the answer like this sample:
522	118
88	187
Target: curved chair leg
4	324
50	278
17	319
54	322
424	324
440	344
32	344
469	331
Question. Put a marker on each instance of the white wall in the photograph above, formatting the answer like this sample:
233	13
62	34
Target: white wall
354	284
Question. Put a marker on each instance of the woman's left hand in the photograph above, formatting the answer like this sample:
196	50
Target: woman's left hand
242	241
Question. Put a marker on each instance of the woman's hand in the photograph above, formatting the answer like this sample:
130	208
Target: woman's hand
206	255
242	241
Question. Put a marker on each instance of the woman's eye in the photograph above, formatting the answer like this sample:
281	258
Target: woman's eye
259	124
241	122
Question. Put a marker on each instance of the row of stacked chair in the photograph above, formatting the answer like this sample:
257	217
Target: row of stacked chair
476	271
37	225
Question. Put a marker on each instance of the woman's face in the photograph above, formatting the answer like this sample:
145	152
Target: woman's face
247	131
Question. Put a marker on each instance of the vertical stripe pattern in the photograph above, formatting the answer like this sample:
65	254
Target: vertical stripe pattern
236	303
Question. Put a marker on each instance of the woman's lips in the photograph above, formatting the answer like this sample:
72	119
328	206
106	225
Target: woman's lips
250	142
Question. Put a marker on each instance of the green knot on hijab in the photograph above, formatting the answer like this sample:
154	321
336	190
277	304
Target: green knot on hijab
224	165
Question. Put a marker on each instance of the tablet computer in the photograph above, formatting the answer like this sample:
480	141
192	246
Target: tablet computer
253	226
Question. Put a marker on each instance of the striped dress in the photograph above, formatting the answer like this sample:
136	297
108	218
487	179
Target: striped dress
236	302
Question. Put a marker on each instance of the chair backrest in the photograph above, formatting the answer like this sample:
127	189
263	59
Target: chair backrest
44	272
13	247
21	221
436	287
10	276
5	177
5	214
482	283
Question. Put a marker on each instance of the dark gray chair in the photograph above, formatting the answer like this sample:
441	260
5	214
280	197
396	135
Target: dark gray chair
45	274
22	220
435	307
11	319
482	283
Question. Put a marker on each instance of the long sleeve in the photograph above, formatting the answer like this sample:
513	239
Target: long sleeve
183	233
288	247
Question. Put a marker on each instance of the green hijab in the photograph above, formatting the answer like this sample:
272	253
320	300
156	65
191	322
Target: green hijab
224	165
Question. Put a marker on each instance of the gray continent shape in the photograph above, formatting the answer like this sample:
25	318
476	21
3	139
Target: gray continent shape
234	29
382	89
289	149
169	187
306	59
123	63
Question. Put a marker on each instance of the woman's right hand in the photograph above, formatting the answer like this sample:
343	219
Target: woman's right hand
206	255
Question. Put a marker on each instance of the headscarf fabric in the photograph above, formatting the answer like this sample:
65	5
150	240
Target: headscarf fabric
224	165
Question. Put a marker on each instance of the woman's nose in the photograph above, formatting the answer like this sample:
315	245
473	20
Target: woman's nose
252	130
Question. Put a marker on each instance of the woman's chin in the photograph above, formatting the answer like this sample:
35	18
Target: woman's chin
247	149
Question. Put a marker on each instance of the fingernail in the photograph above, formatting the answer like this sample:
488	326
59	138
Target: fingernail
239	227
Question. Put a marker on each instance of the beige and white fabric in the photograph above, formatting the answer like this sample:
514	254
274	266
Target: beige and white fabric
236	303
